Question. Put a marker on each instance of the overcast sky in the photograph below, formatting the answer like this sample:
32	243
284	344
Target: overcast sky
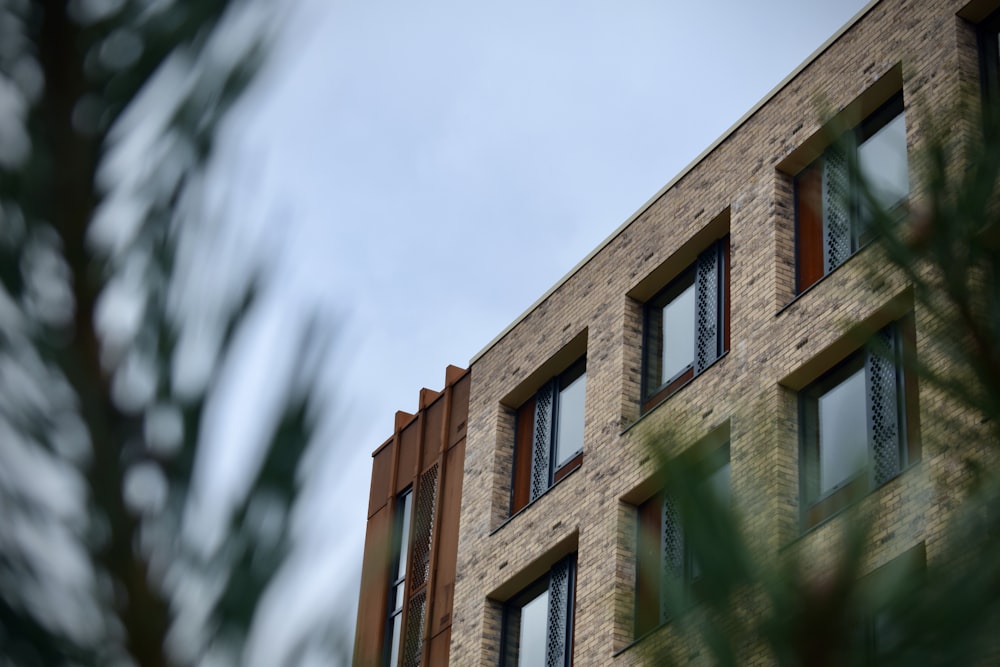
421	172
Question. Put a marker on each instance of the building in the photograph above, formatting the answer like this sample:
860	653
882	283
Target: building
408	572
738	310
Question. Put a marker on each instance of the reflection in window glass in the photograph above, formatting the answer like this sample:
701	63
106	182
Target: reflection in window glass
843	431
678	334
719	485
534	621
569	426
397	623
404	535
398	584
882	161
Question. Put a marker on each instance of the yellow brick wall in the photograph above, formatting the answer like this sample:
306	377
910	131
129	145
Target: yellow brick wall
776	340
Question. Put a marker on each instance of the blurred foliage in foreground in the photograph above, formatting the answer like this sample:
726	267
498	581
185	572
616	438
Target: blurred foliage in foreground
943	612
109	111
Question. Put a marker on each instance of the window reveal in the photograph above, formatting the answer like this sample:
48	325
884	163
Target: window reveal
549	435
686	325
831	215
538	622
664	559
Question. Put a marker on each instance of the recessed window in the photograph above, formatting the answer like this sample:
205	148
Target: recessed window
397	583
549	435
832	218
686	325
538	622
664	561
855	424
989	67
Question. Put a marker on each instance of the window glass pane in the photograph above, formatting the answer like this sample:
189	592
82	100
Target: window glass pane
569	425
534	621
404	533
882	161
843	431
718	484
394	644
678	334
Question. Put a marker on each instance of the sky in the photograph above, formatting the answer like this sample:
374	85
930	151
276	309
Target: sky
417	174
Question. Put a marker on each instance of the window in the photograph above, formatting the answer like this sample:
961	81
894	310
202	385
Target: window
663	556
830	212
397	583
686	325
855	425
881	635
549	435
989	67
538	622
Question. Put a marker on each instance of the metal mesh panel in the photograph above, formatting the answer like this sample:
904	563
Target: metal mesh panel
673	541
423	524
707	309
883	407
836	210
671	550
413	640
555	645
542	440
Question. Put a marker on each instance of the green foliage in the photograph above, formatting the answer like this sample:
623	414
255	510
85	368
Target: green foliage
942	612
90	403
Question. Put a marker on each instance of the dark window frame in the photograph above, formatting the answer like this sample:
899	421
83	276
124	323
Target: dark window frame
530	432
813	259
655	392
988	41
892	344
396	602
559	643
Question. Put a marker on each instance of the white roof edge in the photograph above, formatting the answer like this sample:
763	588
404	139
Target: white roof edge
681	174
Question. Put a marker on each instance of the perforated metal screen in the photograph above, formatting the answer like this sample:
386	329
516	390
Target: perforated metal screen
423	525
836	209
884	407
542	440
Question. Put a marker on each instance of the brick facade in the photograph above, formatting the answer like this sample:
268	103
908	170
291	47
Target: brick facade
780	343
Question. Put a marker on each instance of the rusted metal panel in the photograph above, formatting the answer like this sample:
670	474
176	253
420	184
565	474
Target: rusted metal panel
380	492
374	589
447	540
409	443
439	645
459	410
433	426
